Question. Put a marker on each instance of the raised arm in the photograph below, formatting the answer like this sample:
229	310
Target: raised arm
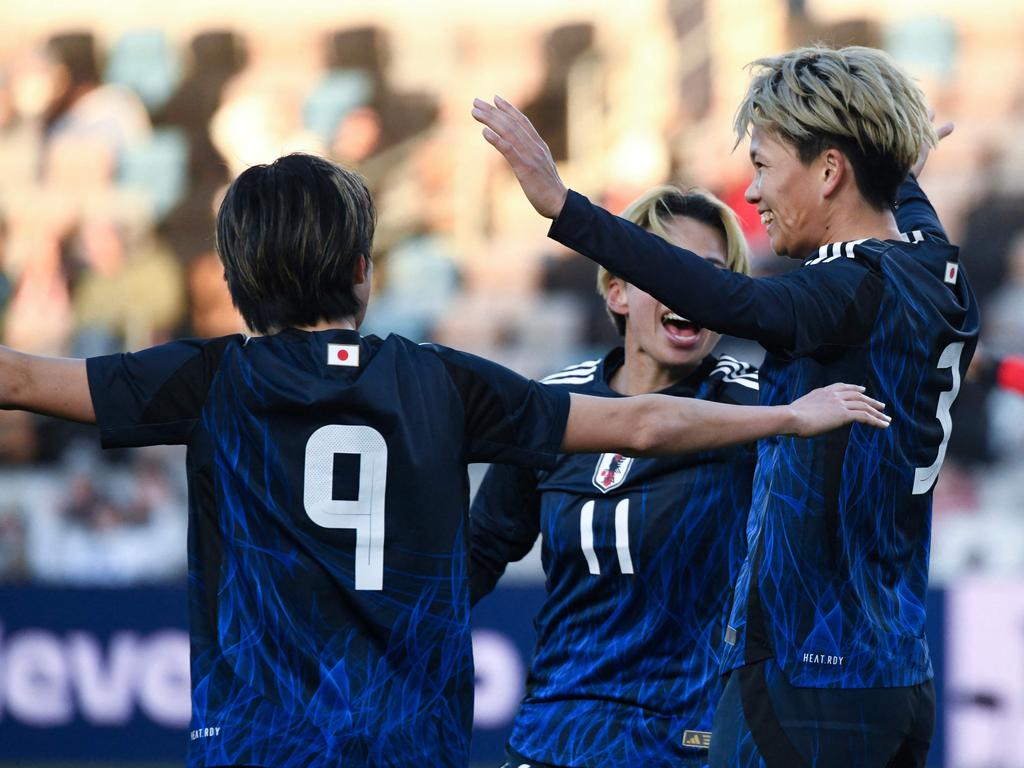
655	425
914	211
786	313
54	386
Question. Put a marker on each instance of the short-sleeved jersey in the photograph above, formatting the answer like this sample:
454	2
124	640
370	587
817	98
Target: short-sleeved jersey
328	509
640	556
838	540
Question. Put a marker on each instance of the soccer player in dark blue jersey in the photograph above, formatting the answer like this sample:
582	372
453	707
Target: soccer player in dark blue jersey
328	497
825	643
640	555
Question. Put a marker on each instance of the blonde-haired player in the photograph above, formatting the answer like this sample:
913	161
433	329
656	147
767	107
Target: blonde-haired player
640	555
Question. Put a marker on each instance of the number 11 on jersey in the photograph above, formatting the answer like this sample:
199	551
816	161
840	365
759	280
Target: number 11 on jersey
621	537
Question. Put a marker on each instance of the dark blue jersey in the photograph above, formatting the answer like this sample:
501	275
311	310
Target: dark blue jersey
640	557
835	578
328	504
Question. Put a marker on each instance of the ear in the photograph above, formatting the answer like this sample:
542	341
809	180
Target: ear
834	171
617	299
361	270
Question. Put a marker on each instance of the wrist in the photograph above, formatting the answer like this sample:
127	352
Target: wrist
559	205
790	420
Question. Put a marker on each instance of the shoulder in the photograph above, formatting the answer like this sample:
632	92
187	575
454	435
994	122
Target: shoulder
729	369
849	255
736	380
579	375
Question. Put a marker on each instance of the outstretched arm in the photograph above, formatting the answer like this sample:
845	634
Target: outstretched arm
54	386
796	313
655	425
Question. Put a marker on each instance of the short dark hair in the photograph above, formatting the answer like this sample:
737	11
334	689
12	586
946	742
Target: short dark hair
289	235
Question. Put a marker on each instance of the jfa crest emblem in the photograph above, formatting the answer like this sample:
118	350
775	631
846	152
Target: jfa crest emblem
611	471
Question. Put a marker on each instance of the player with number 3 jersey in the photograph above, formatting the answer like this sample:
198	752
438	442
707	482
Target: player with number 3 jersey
328	496
826	646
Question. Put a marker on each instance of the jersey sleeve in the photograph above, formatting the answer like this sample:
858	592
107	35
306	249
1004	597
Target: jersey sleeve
504	524
152	397
794	313
914	211
507	417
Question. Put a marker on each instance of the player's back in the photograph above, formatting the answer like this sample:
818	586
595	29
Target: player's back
849	610
328	504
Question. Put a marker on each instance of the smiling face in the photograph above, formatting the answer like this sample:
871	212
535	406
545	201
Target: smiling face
653	332
788	195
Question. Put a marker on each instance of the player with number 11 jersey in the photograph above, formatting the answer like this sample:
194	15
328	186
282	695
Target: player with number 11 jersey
640	555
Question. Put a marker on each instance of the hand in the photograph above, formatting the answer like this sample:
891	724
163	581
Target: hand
508	131
943	131
834	406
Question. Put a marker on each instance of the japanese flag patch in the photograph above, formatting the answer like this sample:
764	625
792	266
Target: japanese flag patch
952	268
343	354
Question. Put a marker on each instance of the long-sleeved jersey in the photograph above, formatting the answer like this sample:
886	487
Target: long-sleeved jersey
838	537
640	557
328	504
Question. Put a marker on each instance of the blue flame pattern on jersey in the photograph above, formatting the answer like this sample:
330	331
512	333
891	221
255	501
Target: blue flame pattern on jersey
834	582
640	557
839	538
292	663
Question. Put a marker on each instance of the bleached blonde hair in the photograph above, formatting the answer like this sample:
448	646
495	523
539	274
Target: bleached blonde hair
856	99
656	207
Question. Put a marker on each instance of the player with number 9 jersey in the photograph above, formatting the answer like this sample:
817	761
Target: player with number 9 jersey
327	558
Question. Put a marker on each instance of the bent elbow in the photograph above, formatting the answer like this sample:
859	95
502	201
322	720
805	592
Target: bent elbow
646	432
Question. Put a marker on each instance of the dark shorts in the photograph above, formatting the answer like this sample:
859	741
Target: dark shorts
515	760
764	722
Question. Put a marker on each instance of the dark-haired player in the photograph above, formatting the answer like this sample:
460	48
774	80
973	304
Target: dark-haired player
327	484
825	644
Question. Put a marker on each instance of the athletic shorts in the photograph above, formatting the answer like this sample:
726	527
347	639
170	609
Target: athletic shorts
515	760
764	722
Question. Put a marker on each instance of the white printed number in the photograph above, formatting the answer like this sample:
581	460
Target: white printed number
364	514
621	537
924	477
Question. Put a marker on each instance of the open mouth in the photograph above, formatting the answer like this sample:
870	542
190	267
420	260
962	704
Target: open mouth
767	218
679	329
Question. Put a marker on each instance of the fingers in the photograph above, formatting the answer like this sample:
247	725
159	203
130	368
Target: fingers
944	130
863	407
871	418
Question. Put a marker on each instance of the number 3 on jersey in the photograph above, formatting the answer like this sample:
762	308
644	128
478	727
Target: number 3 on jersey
365	513
924	477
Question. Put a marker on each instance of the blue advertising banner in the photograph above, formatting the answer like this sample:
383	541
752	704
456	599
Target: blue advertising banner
102	675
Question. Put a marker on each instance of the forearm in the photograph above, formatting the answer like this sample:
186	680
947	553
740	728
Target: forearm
914	211
656	425
53	386
718	299
683	425
504	523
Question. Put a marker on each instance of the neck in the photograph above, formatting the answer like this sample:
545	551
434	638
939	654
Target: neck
641	374
347	324
854	219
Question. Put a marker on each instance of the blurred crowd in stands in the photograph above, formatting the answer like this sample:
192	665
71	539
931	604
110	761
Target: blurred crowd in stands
113	157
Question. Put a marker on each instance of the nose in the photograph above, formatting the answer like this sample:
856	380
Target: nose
751	194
